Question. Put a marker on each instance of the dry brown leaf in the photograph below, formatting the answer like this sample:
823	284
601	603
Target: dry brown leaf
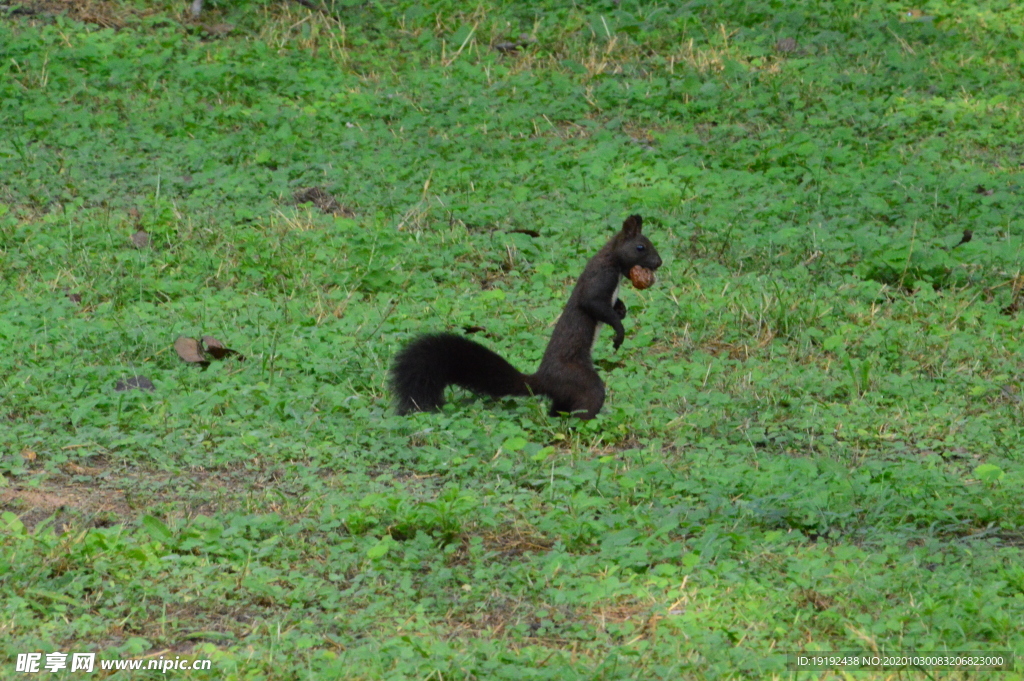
218	350
190	351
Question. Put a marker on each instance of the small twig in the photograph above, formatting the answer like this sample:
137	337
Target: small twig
451	60
391	308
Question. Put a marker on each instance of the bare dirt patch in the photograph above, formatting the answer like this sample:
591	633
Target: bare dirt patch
72	502
105	14
122	499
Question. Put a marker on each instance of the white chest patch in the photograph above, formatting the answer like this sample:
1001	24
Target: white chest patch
597	329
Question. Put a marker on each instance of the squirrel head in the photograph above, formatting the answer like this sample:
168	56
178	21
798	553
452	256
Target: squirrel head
632	248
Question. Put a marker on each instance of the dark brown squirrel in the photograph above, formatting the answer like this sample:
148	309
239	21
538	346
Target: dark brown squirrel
430	363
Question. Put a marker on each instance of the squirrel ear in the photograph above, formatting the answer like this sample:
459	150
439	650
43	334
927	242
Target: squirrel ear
631	227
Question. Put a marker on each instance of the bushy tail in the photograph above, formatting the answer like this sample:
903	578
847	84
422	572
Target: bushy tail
425	367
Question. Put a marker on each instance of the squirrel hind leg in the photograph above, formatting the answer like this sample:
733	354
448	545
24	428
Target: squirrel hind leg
585	403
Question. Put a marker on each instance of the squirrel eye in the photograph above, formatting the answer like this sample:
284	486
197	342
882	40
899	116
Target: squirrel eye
639	247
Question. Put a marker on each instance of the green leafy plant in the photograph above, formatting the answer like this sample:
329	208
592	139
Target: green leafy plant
812	435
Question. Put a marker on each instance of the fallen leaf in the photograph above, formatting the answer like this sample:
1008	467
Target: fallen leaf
218	350
190	351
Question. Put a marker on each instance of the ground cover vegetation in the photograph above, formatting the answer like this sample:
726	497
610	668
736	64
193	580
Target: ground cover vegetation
814	432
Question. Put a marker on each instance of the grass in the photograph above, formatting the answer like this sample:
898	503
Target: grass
814	431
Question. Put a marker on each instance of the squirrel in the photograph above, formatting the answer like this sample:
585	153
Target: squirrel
431	362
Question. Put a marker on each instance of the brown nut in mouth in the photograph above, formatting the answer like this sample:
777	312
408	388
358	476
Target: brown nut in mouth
641	277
